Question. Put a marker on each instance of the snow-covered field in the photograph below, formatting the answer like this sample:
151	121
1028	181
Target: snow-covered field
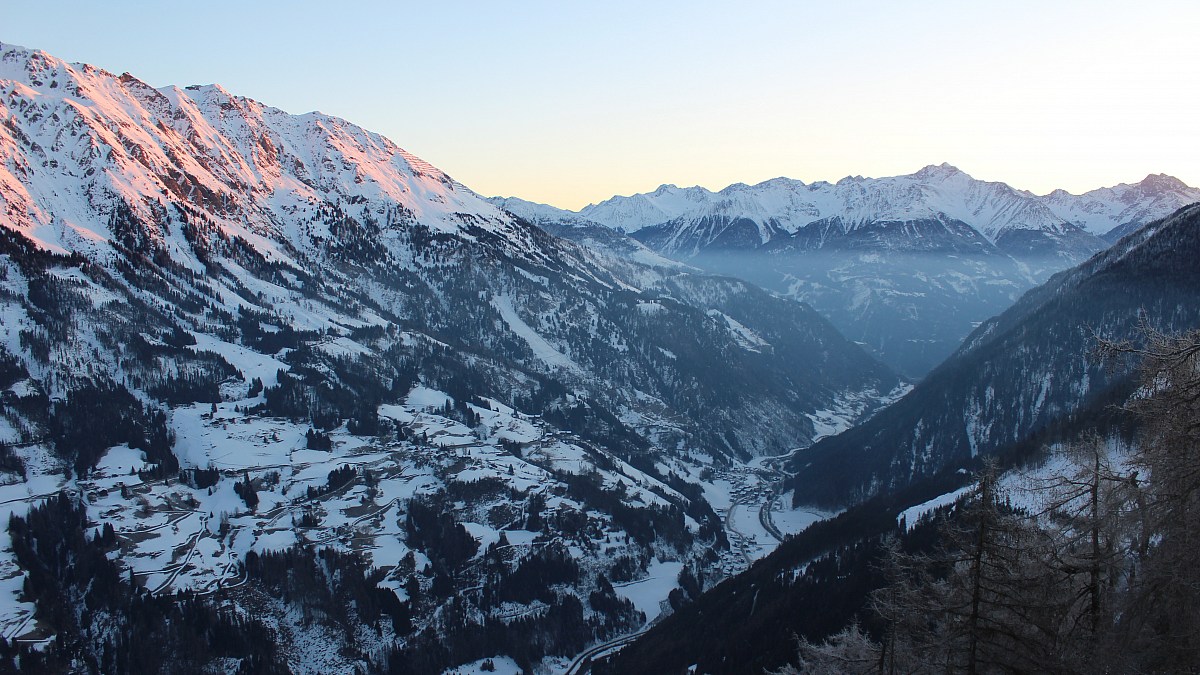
496	665
648	594
794	521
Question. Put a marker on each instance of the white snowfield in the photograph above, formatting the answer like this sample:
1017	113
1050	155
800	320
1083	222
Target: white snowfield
542	349
913	514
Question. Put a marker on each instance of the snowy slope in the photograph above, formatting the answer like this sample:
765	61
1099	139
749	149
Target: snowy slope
78	139
541	214
570	225
786	206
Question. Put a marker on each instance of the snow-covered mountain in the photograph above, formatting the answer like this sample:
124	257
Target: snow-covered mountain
79	139
783	207
1113	212
1022	393
906	265
229	331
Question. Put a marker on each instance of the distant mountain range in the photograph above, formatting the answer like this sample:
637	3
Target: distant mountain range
906	265
782	206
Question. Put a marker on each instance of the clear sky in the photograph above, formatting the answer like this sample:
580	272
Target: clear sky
573	102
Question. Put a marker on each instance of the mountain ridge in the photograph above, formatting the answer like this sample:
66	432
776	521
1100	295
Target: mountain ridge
792	203
206	137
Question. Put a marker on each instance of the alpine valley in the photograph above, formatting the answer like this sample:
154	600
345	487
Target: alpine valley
284	368
278	396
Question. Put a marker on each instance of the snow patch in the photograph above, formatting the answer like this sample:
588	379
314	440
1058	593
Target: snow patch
648	594
912	514
542	349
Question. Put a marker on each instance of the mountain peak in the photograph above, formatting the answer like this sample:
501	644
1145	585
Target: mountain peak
781	181
943	170
1161	182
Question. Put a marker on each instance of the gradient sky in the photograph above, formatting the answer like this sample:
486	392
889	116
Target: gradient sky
571	102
